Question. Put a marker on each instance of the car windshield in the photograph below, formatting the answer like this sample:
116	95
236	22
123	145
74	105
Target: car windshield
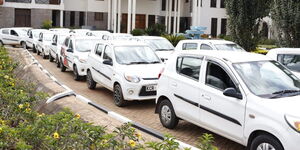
127	55
85	45
291	61
267	78
160	44
47	37
61	39
229	47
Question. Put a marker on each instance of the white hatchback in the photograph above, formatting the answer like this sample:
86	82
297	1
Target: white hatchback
248	98
44	42
129	69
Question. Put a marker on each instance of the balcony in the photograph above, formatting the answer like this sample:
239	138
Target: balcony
52	2
19	1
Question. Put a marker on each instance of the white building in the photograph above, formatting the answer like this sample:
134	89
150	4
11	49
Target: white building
177	15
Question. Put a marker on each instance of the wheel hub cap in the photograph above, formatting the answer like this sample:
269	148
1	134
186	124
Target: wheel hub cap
265	146
166	114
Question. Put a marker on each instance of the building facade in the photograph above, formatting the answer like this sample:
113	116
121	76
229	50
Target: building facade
116	15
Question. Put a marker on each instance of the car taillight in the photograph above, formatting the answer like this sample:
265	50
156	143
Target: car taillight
161	71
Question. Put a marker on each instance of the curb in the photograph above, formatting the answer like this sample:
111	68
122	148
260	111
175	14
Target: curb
112	114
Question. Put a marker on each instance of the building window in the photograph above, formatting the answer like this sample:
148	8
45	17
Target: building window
222	5
213	3
151	20
214	26
163	5
81	18
72	18
98	16
223	26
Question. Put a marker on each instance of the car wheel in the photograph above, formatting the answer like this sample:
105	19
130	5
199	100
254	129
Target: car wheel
265	142
90	81
43	54
33	49
57	62
62	67
51	59
167	115
38	52
1	44
76	77
23	44
118	96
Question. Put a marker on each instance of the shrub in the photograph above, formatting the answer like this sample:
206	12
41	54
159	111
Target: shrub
225	37
47	24
156	30
206	142
266	41
260	51
137	32
174	39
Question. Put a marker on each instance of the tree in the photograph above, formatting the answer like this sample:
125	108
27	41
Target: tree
244	19
286	18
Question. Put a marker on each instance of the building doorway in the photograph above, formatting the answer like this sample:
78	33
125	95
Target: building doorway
22	17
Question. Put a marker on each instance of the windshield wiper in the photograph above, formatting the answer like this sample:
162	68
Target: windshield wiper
163	49
282	92
141	62
154	62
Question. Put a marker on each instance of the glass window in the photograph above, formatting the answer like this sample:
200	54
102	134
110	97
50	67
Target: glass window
229	47
107	55
217	77
160	44
71	45
213	3
267	78
67	42
13	32
205	47
189	46
189	66
85	45
5	31
291	61
99	50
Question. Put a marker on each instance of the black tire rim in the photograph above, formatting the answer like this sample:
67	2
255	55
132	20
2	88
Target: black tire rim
117	94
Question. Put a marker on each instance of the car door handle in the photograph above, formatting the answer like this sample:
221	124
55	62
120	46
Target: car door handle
206	97
174	84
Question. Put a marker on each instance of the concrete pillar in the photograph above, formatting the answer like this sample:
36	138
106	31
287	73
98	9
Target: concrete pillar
61	22
109	15
133	13
129	16
198	13
195	12
114	15
166	15
147	20
170	16
119	16
175	17
178	16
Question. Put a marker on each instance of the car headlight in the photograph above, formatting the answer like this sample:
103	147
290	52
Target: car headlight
293	122
132	78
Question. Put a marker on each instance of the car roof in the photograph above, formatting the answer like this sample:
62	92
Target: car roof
124	43
85	37
149	37
209	41
232	56
285	50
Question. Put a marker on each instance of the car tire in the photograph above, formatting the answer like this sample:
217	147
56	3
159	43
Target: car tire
43	54
76	76
167	114
118	96
1	44
23	44
264	140
51	59
62	67
33	49
38	52
90	81
57	62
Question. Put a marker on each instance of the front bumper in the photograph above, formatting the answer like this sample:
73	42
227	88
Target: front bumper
138	91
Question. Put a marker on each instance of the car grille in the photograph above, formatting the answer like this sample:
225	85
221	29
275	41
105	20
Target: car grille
143	92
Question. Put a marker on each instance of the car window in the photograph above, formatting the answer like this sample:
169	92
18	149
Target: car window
205	47
54	39
217	77
66	43
5	31
107	53
189	66
291	61
13	32
99	50
189	46
71	45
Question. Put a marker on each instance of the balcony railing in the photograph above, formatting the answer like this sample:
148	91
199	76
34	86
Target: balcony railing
54	2
19	1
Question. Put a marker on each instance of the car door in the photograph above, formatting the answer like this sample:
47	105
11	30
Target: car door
5	36
14	37
29	40
95	60
220	113
53	46
106	70
70	54
185	85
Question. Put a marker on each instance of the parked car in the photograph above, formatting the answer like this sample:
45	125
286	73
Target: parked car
80	32
289	57
208	45
13	36
33	37
245	97
44	42
74	53
60	30
129	69
117	36
163	48
55	47
99	33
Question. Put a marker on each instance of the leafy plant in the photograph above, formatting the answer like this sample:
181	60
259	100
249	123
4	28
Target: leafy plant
205	142
47	24
137	32
156	30
174	39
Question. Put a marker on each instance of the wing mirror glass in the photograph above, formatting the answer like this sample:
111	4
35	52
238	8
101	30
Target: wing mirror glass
232	92
70	50
108	62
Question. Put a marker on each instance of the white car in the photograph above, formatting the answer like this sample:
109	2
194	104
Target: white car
99	33
118	36
80	32
44	42
246	97
33	37
74	54
290	57
208	45
13	36
129	69
55	47
60	30
163	48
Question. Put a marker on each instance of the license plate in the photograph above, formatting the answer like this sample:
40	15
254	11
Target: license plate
151	88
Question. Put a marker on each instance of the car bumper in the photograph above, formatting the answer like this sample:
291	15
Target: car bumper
139	91
81	68
291	140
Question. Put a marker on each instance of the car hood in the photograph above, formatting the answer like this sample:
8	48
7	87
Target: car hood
82	55
296	74
164	54
287	105
143	70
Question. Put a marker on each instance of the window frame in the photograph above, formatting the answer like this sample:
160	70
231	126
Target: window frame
206	45
184	45
96	50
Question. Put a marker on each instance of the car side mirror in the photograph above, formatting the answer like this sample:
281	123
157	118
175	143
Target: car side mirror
231	92
54	44
70	50
40	40
107	62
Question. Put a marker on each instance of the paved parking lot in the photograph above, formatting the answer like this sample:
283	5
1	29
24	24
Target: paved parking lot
142	112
